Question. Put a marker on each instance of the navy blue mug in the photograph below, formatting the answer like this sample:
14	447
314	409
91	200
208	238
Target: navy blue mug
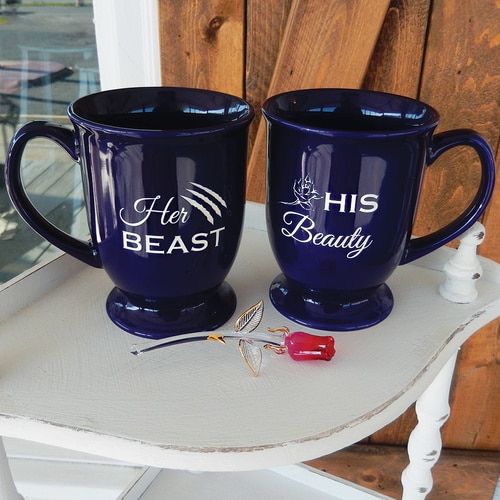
344	174
164	184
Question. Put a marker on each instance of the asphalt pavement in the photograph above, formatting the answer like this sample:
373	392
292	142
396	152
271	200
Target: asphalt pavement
63	34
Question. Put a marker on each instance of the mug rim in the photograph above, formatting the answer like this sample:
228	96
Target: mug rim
272	116
243	120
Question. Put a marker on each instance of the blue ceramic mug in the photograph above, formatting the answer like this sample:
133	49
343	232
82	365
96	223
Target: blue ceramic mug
164	182
344	174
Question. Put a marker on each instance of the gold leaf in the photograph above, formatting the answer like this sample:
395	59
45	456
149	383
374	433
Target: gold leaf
216	338
252	355
250	319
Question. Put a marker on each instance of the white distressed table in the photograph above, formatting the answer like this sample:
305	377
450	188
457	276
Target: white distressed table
67	377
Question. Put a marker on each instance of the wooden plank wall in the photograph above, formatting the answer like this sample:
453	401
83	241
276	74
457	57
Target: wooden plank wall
459	76
445	52
202	44
324	44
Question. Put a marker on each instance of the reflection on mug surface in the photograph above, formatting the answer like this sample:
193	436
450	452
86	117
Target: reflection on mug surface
164	181
344	174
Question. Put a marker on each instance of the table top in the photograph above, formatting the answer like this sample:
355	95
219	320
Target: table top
13	73
67	377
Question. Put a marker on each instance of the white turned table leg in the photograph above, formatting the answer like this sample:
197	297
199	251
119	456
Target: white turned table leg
424	444
8	489
464	269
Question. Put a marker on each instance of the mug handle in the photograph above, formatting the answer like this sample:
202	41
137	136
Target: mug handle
86	252
418	247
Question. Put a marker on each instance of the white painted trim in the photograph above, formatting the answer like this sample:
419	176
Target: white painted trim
151	41
8	489
30	450
128	43
43	479
42	471
140	485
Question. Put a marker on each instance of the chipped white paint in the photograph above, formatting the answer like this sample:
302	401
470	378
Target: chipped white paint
67	377
7	487
464	269
424	444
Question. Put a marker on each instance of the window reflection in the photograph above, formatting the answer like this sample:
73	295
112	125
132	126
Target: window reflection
48	58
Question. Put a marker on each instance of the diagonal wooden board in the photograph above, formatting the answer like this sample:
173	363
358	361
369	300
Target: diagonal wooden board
396	63
325	44
266	24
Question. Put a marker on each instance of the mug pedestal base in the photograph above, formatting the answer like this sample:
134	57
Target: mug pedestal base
163	318
322	311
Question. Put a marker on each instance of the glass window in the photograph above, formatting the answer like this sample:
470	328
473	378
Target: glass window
48	58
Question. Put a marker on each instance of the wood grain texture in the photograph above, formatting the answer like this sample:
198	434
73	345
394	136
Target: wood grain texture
397	432
461	78
325	44
458	475
266	22
491	219
475	398
202	44
395	65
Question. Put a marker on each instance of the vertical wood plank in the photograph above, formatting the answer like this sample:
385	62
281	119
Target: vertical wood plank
491	219
266	22
326	44
397	432
395	66
396	63
475	399
461	79
202	44
464	86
